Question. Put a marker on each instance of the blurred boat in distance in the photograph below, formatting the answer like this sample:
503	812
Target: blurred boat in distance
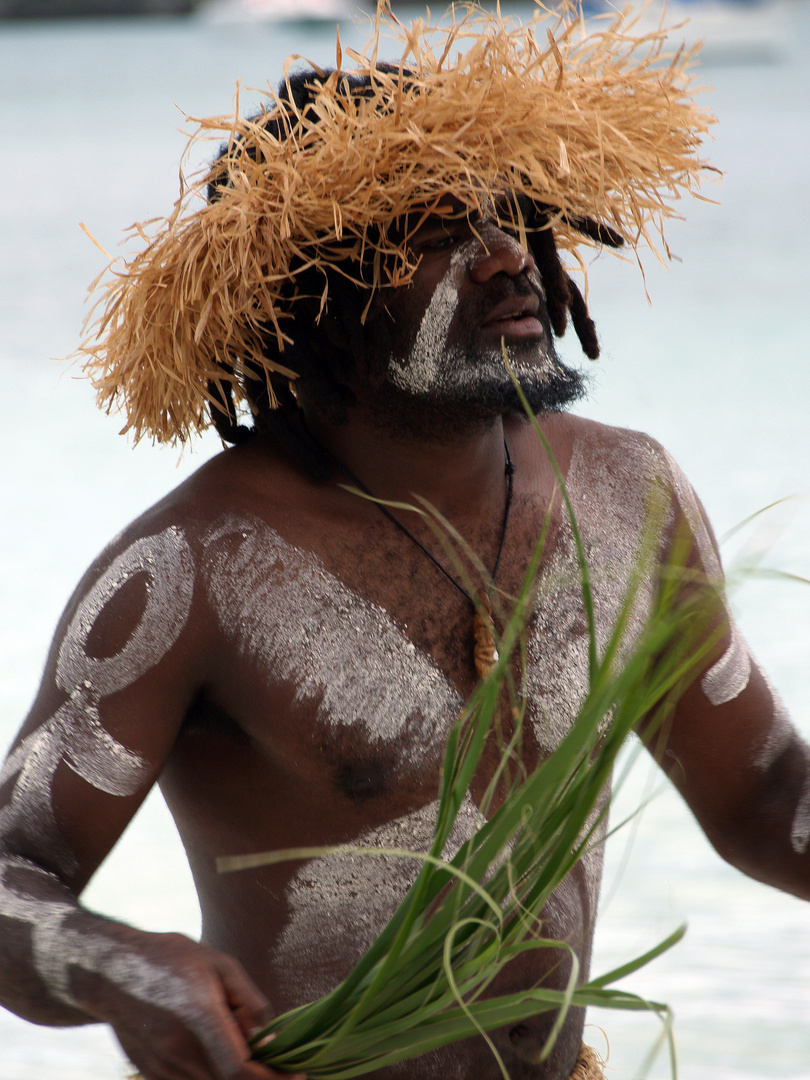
731	30
91	9
286	11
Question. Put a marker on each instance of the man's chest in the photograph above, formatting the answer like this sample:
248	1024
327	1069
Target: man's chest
363	664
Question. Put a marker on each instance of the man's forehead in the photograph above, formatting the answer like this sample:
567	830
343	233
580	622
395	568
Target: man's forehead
445	207
503	206
447	204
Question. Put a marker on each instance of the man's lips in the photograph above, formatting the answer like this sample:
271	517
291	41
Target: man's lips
515	317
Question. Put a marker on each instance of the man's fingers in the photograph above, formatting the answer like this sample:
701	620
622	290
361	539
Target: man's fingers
152	1063
250	1008
197	1023
250	1011
264	1071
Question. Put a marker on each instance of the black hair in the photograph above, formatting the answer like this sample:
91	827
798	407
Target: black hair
324	343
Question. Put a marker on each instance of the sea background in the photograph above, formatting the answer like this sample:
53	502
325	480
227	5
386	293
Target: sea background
716	366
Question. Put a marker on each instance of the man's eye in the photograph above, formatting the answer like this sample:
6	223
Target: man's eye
440	242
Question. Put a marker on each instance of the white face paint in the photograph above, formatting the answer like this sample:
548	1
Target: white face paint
75	736
341	654
422	371
727	679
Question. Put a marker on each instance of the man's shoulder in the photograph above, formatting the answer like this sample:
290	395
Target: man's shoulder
618	467
628	474
251	478
237	483
580	441
594	433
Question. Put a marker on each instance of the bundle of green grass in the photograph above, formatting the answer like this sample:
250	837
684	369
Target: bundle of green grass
425	981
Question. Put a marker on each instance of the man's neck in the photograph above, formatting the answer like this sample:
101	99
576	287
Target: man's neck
458	476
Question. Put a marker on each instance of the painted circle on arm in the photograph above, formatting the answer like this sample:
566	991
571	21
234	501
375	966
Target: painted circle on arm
166	559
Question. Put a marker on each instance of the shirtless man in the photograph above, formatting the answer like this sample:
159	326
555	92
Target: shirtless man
285	661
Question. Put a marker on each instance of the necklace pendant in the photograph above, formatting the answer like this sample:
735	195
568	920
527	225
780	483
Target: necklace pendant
485	653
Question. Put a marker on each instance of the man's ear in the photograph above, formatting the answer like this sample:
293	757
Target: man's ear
344	328
334	330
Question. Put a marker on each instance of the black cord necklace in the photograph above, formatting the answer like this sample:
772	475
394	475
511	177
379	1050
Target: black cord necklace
485	652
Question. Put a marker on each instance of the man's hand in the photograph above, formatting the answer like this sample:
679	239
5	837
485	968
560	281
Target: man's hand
180	1010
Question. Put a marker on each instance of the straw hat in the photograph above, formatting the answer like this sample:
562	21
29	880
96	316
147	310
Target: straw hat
598	125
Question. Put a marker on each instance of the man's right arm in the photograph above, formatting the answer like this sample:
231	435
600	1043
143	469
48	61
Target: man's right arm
173	1003
127	660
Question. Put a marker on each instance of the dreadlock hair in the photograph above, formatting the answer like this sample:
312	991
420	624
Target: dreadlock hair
322	346
324	342
563	296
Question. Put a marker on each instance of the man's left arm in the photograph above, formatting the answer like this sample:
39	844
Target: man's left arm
743	769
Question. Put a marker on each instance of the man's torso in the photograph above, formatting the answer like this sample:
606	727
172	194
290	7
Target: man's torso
337	659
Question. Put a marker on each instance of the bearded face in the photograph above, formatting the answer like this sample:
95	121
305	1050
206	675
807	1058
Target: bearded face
436	347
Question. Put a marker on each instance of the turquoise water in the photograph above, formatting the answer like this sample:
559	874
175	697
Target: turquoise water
716	368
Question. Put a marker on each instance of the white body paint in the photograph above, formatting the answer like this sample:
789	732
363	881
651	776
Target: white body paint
359	894
59	948
421	372
727	679
76	737
45	918
166	560
616	495
690	506
800	829
613	492
778	740
302	625
349	658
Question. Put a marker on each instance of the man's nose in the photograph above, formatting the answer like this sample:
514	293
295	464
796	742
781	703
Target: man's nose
500	254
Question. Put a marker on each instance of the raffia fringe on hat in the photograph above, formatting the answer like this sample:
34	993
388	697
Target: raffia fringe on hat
589	1065
597	125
